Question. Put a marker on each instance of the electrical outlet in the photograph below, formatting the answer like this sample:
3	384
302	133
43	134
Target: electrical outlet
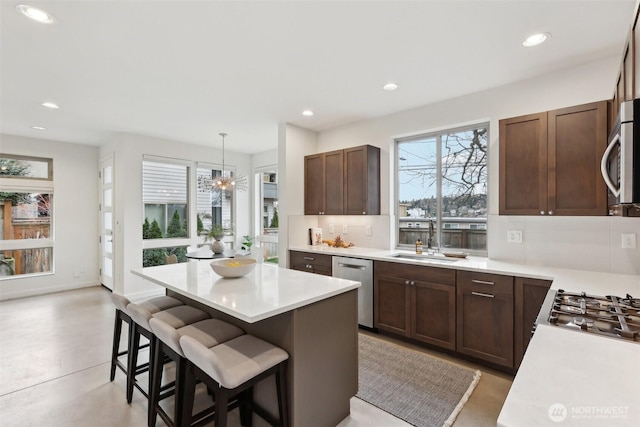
514	236
368	230
628	241
331	229
345	228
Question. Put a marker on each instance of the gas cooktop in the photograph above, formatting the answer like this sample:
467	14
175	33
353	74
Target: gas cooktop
611	316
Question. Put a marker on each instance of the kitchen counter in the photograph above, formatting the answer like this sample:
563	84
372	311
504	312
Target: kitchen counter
313	318
265	292
567	377
596	283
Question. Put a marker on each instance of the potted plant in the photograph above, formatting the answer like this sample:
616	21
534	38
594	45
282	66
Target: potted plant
216	233
247	242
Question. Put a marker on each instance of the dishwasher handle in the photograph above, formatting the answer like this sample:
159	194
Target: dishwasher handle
359	267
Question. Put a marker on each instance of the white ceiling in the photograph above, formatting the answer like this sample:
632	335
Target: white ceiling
187	70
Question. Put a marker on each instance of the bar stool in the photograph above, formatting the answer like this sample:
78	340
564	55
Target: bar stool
177	317
121	302
232	369
210	332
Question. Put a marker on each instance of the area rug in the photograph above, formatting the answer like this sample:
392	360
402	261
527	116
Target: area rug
411	385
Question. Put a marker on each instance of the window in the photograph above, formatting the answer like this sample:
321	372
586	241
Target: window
166	210
266	222
26	201
215	206
442	177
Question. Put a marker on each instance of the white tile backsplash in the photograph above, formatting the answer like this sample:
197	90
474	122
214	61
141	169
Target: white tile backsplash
584	243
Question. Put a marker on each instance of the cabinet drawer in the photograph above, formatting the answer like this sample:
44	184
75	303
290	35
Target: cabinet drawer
310	262
442	276
485	283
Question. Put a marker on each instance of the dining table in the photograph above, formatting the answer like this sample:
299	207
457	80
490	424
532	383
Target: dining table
312	317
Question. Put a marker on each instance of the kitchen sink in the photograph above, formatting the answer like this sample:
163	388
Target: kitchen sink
424	257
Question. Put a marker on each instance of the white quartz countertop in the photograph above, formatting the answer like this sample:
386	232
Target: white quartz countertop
570	378
595	283
265	292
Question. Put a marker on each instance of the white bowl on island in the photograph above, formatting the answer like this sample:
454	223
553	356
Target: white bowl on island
233	267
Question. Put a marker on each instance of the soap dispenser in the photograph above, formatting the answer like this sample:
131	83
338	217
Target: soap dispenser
419	247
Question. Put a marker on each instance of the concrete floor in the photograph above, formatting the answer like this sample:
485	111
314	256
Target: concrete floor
54	370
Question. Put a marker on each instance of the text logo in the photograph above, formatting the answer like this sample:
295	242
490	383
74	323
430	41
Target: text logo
557	412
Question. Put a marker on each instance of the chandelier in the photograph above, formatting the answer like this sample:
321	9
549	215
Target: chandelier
223	180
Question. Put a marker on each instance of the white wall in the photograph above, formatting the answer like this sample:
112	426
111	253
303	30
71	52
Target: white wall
293	144
128	151
588	244
75	215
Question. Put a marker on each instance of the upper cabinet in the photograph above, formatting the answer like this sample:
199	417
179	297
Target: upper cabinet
343	182
550	162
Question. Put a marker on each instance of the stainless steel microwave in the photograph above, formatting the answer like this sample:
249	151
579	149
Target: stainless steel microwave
620	164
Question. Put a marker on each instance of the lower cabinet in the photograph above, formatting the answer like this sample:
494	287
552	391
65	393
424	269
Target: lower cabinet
485	317
529	295
417	302
311	262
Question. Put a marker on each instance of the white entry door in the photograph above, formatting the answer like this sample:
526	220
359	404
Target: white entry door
106	222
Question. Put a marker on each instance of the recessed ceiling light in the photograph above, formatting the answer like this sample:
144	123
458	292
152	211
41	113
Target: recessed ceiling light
34	13
38	128
51	105
390	86
307	113
535	39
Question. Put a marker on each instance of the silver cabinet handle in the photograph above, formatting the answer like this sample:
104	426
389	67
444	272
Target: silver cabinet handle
541	212
406	282
480	294
309	258
483	282
550	212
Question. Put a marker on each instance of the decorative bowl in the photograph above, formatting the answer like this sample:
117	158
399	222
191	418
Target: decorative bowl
232	267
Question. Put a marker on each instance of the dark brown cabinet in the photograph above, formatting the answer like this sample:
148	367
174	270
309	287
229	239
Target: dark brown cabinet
416	302
343	182
310	262
485	317
324	183
550	162
528	297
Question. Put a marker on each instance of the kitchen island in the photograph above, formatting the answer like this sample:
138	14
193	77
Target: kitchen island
312	317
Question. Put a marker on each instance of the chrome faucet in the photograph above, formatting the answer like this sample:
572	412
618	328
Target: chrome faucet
431	234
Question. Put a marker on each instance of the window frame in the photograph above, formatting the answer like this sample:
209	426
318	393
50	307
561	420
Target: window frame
27	184
438	134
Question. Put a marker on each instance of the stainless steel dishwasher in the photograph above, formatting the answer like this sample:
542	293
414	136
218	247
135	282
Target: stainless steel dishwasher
360	270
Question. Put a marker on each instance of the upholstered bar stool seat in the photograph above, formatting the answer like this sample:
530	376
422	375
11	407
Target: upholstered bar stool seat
122	315
210	332
232	369
140	314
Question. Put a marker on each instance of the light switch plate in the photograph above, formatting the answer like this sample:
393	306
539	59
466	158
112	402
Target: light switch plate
345	229
368	230
331	228
514	236
628	241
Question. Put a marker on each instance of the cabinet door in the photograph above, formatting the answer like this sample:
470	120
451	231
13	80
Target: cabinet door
523	165
333	182
314	184
392	298
577	140
529	295
485	317
433	314
362	180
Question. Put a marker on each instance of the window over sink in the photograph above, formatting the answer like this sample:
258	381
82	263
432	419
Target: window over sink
441	179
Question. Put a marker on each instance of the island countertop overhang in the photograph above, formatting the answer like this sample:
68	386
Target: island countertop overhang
265	292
